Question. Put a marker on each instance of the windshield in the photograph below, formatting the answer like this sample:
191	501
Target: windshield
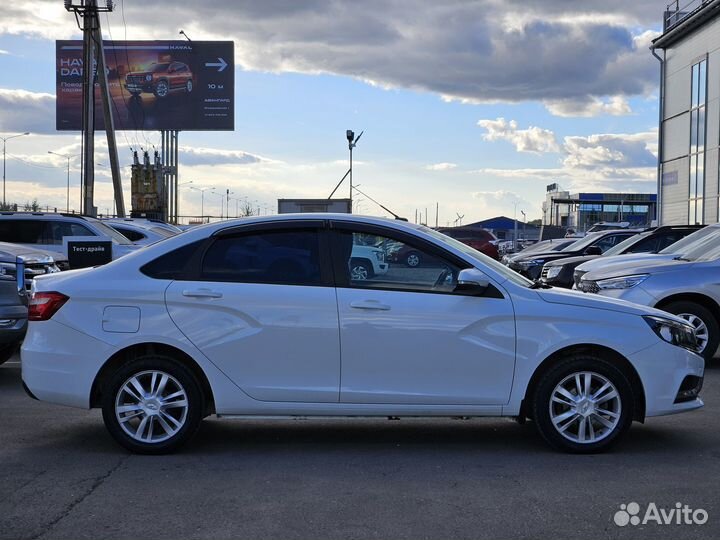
501	269
625	244
583	242
112	233
683	245
159	67
706	248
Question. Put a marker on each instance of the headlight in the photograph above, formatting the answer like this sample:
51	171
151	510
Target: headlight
148	77
553	272
624	282
677	333
380	256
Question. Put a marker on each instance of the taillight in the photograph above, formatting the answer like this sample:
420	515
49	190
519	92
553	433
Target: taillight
43	305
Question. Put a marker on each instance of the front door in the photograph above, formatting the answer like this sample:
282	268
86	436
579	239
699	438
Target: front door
408	338
263	310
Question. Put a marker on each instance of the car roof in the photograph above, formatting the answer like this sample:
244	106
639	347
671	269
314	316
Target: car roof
45	215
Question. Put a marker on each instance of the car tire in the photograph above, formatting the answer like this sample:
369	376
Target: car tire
413	259
705	323
576	419
189	86
162	89
162	418
6	352
360	270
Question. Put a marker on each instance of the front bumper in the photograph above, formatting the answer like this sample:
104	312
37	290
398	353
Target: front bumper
662	369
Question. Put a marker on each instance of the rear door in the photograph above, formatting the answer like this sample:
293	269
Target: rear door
262	308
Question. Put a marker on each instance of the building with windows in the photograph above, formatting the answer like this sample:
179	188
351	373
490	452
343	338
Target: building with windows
689	55
580	211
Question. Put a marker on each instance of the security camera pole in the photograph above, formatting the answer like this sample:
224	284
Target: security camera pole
352	142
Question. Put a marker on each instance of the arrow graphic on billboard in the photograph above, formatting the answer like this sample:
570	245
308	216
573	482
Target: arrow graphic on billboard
221	65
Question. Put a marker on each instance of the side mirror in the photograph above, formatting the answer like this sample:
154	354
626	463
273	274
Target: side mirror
593	250
472	281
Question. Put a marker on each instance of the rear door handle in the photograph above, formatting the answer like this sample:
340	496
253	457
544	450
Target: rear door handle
202	293
369	304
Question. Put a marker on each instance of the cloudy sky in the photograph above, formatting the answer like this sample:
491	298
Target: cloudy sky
475	105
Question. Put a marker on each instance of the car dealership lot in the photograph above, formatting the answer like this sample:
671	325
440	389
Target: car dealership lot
61	476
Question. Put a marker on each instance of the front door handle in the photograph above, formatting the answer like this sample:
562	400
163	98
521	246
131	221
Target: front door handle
202	293
369	304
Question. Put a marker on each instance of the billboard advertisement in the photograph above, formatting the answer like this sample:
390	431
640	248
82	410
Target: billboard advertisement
154	85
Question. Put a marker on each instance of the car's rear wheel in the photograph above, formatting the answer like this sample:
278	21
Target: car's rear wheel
707	330
584	404
152	405
162	89
413	259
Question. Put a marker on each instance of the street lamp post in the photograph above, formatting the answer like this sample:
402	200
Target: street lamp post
5	140
68	157
202	200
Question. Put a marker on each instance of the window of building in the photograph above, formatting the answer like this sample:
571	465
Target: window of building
697	142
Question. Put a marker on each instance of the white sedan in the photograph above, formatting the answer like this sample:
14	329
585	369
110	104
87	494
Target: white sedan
262	317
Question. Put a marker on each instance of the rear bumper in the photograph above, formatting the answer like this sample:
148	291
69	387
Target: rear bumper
59	364
13	324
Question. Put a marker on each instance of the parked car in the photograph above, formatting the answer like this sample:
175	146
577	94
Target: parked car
595	243
160	79
13	305
554	244
559	273
367	262
709	234
147	222
35	261
686	286
46	231
160	339
608	226
480	239
141	233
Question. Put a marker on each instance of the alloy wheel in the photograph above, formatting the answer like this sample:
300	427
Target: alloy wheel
151	406
701	330
359	273
413	260
162	89
585	407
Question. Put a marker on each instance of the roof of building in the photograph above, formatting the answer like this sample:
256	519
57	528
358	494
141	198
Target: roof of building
679	21
499	223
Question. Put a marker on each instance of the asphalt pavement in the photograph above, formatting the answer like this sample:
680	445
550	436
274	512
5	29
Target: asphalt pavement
61	476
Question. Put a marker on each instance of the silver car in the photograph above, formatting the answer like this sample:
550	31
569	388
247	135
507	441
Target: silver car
687	286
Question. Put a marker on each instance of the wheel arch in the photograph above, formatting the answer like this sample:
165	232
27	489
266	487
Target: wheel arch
608	354
135	350
697	298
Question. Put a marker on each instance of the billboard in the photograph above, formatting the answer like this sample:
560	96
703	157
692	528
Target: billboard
154	85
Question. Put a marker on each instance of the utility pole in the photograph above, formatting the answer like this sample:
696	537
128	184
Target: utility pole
94	55
68	158
437	211
352	142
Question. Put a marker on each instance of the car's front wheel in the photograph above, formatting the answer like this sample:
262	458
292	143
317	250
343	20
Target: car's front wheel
152	405
162	89
360	270
707	330
584	404
413	259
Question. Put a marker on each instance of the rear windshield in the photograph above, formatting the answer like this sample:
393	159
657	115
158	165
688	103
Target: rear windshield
112	233
687	243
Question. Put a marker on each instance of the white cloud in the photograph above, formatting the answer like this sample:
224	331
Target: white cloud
589	106
441	166
193	155
532	139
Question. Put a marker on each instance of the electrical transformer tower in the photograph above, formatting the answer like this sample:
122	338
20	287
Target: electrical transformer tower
94	66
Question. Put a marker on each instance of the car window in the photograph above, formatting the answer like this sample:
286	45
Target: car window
685	244
609	241
625	245
55	231
272	257
106	230
381	262
647	245
131	235
162	231
21	231
670	238
171	265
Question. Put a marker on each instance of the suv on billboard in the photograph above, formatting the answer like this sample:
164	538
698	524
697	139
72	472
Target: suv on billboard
160	79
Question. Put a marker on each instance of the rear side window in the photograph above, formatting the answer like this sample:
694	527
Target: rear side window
272	257
131	235
21	231
54	231
172	265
